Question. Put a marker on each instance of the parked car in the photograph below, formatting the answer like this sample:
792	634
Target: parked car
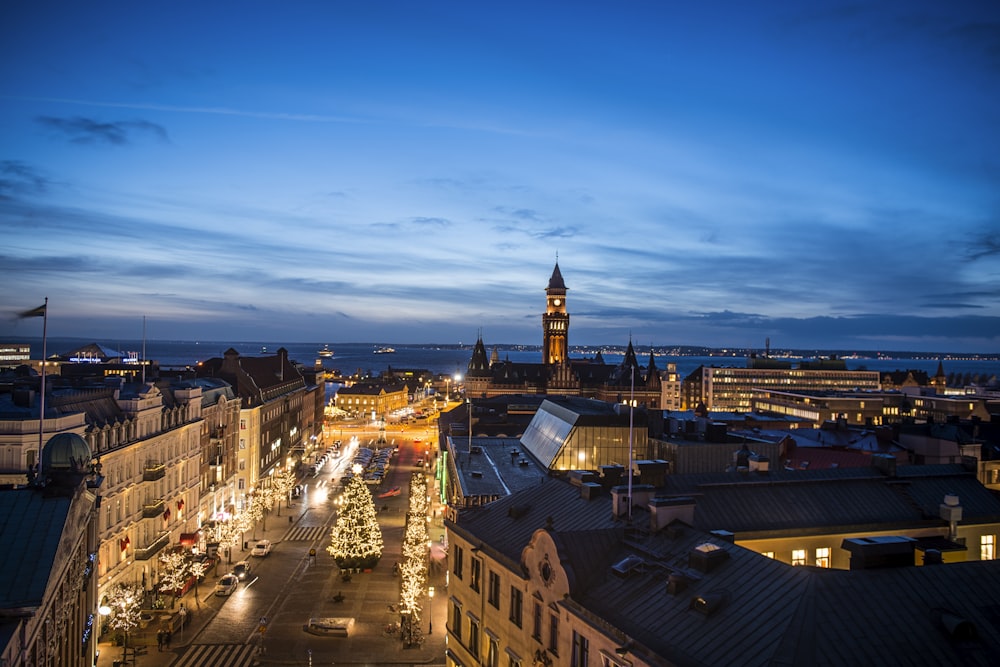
297	491
242	570
261	549
227	585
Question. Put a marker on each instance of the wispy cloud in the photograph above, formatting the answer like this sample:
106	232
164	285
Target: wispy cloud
171	108
19	178
81	130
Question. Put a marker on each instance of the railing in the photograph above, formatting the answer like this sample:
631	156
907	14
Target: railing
153	509
157	544
153	471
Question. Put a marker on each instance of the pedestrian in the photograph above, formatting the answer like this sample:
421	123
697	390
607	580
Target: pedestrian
166	638
159	640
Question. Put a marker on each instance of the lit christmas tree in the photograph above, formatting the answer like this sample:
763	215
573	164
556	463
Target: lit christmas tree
415	556
356	539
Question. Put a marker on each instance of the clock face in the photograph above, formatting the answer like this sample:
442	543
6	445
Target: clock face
557	302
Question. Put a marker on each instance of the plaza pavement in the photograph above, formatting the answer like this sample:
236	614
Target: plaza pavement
364	599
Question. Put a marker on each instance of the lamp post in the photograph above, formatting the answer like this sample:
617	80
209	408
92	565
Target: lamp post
430	609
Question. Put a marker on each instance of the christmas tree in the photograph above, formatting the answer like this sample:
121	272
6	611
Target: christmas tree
356	539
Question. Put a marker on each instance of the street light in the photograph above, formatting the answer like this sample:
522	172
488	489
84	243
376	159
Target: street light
430	609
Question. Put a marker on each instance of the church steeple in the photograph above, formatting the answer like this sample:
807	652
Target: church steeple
555	321
479	365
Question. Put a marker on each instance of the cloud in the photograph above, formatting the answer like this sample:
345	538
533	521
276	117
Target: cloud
82	130
18	178
431	222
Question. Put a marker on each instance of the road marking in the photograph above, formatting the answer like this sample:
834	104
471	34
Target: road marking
306	533
217	655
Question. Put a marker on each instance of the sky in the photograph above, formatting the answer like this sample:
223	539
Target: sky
821	174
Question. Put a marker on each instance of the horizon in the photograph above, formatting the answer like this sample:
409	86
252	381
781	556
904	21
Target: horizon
577	348
823	175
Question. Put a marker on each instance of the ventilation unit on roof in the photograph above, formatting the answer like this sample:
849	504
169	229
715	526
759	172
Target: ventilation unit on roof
627	565
710	602
476	473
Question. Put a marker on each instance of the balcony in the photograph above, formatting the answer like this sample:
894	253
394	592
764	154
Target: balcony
153	471
153	508
157	544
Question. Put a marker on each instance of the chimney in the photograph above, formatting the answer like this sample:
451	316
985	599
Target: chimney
951	512
641	495
664	511
706	557
759	463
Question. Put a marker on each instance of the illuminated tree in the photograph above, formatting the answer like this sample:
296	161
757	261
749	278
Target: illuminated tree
229	535
356	539
125	603
413	572
282	481
174	573
197	569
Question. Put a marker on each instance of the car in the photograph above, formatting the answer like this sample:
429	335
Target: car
242	570
227	585
297	491
261	549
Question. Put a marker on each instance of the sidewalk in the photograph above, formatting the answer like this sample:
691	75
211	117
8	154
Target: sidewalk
367	644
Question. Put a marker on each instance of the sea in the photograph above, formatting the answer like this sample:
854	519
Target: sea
350	358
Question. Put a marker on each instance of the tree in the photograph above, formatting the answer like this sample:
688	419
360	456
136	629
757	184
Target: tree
282	481
356	538
229	535
125	603
197	569
415	552
174	574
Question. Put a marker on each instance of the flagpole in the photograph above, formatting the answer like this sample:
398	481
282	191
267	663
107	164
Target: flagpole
631	408
41	408
143	360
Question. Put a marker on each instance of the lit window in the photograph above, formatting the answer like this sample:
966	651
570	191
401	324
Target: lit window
798	556
767	554
987	545
823	557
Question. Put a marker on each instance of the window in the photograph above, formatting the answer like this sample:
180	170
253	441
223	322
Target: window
456	619
536	627
581	650
474	637
515	605
987	547
767	554
493	652
554	634
477	574
823	557
493	594
798	556
457	561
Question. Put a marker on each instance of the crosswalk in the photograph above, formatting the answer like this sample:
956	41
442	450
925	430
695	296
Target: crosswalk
306	533
217	655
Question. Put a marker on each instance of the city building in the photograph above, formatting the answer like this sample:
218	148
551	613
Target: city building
559	374
48	524
731	388
565	573
274	395
374	399
14	354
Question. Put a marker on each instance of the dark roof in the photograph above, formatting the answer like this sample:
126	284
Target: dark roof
833	499
767	613
556	279
31	525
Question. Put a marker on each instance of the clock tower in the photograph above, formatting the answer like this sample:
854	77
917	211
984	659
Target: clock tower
555	321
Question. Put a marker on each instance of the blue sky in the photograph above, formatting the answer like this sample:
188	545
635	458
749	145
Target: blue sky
825	174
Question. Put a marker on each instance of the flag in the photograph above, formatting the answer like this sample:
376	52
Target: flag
34	312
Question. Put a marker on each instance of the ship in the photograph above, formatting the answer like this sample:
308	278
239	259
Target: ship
385	350
325	352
